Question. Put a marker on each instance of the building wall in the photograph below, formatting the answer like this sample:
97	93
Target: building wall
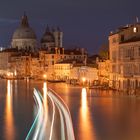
4	59
62	71
90	74
104	72
25	44
125	59
22	65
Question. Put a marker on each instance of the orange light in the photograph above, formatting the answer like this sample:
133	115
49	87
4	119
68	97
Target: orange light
84	79
8	74
45	76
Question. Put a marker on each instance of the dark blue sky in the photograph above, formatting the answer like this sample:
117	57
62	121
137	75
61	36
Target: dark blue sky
85	23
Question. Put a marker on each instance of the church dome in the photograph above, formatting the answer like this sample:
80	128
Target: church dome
24	31
48	36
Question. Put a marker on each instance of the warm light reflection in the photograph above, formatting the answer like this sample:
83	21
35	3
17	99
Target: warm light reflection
84	100
9	124
86	128
45	89
45	103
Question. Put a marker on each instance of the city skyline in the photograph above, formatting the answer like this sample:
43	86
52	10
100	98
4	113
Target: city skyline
69	70
84	23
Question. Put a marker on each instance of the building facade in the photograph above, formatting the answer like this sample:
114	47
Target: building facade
29	58
104	72
124	45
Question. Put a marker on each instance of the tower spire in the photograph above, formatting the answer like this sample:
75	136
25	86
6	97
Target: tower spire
47	29
24	20
137	19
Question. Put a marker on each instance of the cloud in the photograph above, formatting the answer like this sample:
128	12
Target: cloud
8	21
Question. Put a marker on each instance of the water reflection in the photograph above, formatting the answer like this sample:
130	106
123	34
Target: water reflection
44	117
45	103
86	125
9	119
45	91
84	108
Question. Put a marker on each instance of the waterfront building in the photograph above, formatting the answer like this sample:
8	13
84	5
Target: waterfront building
62	71
5	59
21	64
104	72
124	46
88	75
75	73
59	56
26	59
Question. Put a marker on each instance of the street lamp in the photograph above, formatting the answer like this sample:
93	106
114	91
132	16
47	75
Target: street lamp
8	74
45	76
83	79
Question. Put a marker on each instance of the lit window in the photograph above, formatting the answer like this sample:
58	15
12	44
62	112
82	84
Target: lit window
135	30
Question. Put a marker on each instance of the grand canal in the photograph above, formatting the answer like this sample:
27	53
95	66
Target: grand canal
96	114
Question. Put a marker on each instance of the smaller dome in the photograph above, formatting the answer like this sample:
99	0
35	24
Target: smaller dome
48	36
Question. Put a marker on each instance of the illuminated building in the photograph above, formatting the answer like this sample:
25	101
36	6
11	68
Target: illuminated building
27	60
58	57
71	73
90	75
104	71
5	59
124	45
24	37
62	71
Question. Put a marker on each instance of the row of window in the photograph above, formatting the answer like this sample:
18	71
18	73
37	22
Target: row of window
62	68
126	69
131	52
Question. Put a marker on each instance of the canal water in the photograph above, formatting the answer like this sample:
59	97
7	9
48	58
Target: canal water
96	114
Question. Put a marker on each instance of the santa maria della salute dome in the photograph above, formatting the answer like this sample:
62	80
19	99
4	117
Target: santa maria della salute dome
24	38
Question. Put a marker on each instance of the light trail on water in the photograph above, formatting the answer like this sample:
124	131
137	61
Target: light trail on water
67	117
38	130
35	126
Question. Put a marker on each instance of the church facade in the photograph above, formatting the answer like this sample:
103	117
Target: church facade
24	37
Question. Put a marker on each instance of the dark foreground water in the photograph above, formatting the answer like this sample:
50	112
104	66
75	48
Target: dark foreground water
96	115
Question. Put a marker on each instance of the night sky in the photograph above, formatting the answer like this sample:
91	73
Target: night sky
85	23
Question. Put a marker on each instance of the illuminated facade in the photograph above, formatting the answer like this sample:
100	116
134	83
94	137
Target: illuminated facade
104	71
89	74
25	59
62	71
5	59
124	48
71	73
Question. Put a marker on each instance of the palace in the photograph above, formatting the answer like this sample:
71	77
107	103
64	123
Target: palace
124	48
